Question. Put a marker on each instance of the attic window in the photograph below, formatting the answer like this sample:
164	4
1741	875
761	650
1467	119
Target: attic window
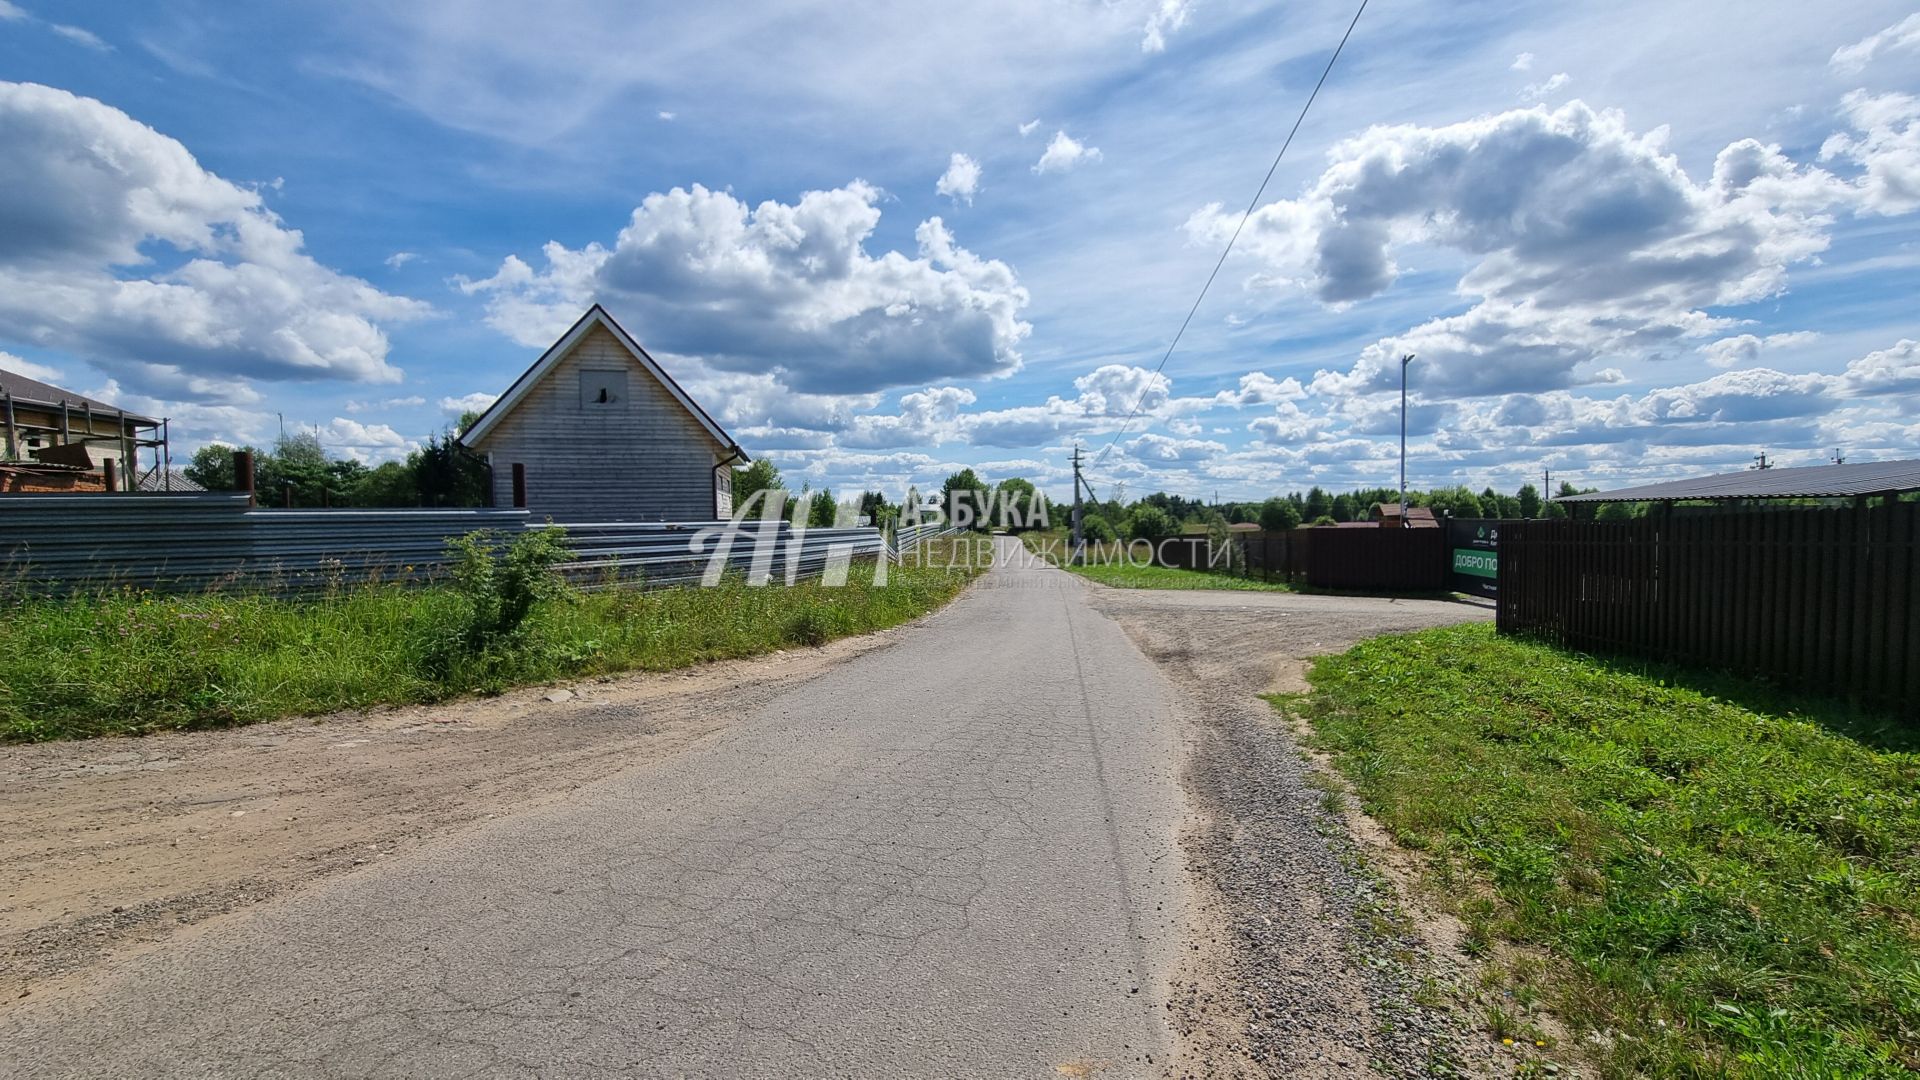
602	389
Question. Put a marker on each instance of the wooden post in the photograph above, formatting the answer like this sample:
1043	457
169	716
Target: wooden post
13	437
286	495
243	473
113	477
519	485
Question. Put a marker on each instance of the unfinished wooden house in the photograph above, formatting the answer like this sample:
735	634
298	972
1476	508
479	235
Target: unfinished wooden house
58	440
596	430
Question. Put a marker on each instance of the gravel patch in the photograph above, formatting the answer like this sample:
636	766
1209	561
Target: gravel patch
1315	968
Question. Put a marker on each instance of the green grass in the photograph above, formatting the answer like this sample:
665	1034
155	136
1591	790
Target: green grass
1727	882
1124	576
129	663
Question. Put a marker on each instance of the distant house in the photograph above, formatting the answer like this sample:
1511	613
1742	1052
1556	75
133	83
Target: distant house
59	440
602	433
1387	515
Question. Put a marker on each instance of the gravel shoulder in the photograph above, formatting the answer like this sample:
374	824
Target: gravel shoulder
1304	961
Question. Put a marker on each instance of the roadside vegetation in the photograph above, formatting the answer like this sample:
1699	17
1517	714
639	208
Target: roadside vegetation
1694	877
1126	576
130	662
1125	573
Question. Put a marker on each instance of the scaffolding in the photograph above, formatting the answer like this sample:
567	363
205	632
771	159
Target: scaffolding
63	431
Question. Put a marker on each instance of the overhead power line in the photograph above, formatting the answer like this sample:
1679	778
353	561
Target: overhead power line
1244	218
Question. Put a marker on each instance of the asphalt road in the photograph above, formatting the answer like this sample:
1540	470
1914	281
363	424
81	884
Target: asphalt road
956	856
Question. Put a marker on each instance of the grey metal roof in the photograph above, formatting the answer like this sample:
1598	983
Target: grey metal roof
1810	482
39	393
174	479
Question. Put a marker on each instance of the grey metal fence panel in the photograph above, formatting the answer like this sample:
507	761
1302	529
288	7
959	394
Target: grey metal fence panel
909	538
188	543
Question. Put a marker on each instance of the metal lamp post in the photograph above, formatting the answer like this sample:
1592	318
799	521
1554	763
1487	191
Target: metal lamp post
1404	361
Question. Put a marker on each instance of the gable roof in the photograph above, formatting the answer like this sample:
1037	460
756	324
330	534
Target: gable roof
595	316
35	392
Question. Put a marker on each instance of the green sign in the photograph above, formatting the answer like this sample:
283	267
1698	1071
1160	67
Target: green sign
1484	564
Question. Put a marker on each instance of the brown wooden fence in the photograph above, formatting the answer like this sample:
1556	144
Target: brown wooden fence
1823	599
1364	560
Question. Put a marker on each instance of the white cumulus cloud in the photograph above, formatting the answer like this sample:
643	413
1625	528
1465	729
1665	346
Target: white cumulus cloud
961	180
1547	87
466	403
116	246
1590	240
1065	152
1885	145
786	289
1742	350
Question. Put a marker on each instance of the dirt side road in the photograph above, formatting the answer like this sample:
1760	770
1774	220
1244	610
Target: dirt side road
114	844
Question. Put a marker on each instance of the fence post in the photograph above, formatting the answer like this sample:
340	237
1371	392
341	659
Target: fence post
243	473
112	474
519	485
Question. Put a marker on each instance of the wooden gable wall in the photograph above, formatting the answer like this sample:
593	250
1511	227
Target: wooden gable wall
642	459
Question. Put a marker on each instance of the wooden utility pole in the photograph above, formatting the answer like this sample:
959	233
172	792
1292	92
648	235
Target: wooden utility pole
1078	541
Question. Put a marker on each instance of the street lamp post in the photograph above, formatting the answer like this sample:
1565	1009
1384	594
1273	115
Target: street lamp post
1404	361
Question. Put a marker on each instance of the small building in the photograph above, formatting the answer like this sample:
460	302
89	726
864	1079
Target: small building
58	440
601	432
1387	516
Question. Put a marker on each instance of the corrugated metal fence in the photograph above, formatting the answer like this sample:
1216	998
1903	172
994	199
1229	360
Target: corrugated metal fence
1826	599
189	543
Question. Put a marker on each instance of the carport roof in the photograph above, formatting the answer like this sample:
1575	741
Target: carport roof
1811	482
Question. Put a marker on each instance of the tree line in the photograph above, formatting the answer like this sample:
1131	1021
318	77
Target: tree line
298	471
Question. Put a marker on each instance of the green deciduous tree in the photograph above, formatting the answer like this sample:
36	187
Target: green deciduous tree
1019	505
757	477
1150	523
964	497
1278	515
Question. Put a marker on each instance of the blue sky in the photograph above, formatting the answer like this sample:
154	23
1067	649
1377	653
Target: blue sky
882	241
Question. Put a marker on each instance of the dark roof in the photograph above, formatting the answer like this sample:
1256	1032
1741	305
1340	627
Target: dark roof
39	393
1811	482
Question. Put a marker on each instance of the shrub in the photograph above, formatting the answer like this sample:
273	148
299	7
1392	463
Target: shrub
1095	529
1150	523
502	582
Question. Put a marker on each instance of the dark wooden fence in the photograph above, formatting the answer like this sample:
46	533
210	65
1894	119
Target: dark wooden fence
1364	560
1822	599
1196	552
1379	560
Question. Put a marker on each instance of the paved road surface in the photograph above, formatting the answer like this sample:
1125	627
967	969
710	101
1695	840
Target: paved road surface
953	857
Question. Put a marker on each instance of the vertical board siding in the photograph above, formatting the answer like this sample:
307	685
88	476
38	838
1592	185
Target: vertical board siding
1820	599
644	459
1365	560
